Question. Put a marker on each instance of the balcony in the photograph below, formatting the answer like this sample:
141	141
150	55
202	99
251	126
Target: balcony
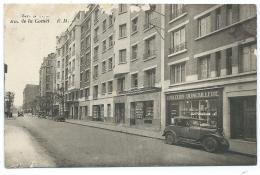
178	48
149	54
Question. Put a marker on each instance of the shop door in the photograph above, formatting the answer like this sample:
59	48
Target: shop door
243	118
76	112
120	113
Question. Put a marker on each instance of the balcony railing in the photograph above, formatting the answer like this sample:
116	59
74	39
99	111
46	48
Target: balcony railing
149	54
178	48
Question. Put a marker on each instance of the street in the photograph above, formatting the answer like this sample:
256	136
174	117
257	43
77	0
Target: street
60	144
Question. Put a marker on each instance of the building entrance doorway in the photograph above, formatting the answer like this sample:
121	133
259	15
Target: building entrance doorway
119	113
243	118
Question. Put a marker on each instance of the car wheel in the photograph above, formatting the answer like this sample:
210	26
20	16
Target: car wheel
210	144
170	138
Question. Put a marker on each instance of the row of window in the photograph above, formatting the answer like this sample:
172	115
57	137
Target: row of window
178	37
232	15
106	66
247	62
104	26
104	47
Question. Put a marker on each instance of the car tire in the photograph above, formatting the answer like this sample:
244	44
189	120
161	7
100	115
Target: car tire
170	138
210	144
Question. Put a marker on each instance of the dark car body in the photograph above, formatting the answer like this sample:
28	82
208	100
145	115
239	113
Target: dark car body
194	131
20	114
59	119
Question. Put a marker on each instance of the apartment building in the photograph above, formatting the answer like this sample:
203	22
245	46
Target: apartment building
72	48
47	83
210	68
30	94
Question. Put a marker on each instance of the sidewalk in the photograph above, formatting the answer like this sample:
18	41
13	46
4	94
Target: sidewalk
149	133
118	128
23	151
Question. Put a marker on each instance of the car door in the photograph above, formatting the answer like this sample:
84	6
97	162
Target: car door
182	128
194	131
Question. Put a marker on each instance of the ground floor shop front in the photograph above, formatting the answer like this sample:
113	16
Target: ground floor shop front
230	107
140	111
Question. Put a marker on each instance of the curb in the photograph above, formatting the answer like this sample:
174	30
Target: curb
122	131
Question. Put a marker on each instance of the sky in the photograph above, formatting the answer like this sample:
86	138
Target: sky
26	44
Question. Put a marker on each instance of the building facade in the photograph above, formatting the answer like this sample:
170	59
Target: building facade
30	95
142	65
47	84
210	68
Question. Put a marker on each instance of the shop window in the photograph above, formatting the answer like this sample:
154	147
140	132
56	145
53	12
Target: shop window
248	58
204	67
177	73
142	110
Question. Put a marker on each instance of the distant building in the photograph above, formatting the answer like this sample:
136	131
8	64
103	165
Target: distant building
30	94
47	82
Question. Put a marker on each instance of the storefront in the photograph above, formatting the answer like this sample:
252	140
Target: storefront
142	112
98	113
204	104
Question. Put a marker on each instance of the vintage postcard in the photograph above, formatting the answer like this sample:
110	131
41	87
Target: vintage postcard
130	85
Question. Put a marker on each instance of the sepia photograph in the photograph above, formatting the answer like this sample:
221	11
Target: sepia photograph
129	85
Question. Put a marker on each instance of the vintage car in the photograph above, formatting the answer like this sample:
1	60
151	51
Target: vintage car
195	131
20	114
59	119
